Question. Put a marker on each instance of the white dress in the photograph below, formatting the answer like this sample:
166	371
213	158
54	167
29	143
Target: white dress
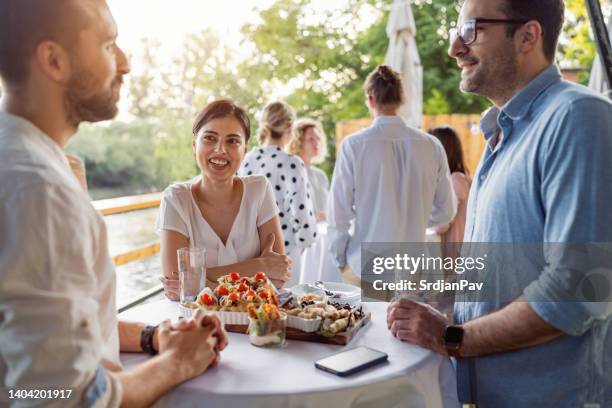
320	188
287	175
179	212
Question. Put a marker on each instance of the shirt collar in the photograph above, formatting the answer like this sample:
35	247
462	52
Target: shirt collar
521	103
488	123
30	130
388	120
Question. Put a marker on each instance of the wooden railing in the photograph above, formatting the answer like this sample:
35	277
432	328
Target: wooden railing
122	205
126	204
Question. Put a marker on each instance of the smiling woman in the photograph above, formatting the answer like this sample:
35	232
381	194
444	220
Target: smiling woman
233	218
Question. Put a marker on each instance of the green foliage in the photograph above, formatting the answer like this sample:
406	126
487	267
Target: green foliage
576	48
320	62
118	155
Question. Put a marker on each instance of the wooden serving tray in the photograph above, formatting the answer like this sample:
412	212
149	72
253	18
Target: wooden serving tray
342	338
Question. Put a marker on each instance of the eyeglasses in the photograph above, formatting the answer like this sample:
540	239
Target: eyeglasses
467	32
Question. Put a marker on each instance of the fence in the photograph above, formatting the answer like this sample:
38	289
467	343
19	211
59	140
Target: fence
467	127
126	204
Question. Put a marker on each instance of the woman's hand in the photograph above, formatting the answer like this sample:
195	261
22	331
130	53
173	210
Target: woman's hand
276	266
171	287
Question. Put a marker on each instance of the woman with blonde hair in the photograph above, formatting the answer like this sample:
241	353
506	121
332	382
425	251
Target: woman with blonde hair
289	180
309	142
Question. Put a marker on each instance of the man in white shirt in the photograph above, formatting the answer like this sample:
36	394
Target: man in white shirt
390	181
60	66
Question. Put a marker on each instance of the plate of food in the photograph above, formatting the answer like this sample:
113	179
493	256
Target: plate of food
333	319
335	292
311	315
230	299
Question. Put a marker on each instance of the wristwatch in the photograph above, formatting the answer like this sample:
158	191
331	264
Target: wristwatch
453	339
146	339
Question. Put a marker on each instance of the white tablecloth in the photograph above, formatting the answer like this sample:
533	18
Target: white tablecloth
249	376
317	263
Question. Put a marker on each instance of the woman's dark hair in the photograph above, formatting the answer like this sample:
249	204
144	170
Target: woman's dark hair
223	108
452	145
385	86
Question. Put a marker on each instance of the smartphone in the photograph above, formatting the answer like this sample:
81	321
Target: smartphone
351	361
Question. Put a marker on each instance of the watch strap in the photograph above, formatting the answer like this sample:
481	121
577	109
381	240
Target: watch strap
146	339
452	344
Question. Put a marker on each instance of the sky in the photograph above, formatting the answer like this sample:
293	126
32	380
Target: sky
170	22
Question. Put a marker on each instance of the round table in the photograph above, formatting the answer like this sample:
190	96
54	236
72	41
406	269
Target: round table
286	377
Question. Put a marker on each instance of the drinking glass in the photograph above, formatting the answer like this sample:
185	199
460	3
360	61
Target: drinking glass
192	273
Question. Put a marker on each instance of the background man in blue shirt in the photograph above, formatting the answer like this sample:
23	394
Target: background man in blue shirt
545	177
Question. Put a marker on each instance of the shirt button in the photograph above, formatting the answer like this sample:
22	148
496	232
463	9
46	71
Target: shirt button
483	177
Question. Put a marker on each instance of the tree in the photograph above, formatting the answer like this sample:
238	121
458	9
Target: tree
576	48
319	61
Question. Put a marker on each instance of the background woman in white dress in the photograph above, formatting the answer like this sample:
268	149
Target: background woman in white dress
289	180
308	141
234	218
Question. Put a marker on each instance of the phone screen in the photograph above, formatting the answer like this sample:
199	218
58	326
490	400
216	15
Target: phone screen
351	361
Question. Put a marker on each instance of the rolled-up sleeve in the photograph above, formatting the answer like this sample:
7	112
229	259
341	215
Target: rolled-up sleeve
576	196
50	334
340	207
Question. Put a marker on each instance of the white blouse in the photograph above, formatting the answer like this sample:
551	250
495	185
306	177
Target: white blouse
179	212
320	187
287	175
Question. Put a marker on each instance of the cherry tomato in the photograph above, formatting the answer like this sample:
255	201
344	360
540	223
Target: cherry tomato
233	297
242	288
235	276
207	299
251	293
245	281
222	290
264	295
260	276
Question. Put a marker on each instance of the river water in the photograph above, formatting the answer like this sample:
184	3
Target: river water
127	232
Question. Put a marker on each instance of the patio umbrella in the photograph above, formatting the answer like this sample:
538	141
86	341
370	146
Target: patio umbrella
403	57
597	81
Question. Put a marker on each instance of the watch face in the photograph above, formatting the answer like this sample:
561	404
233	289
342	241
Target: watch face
453	335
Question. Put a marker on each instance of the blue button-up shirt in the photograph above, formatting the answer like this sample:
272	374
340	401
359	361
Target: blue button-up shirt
547	179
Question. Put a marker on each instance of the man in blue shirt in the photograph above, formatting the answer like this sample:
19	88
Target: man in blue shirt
545	177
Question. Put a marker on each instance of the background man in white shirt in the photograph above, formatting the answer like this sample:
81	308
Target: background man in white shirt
60	66
390	180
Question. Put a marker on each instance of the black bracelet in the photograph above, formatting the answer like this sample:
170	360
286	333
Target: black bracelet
146	340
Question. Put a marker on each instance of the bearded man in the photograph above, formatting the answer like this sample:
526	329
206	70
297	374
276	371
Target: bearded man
60	66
